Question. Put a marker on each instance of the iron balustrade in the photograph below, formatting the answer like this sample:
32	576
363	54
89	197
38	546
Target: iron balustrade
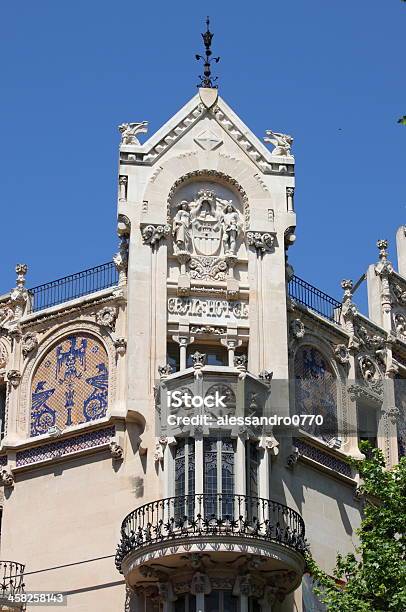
204	515
315	299
12	579
73	286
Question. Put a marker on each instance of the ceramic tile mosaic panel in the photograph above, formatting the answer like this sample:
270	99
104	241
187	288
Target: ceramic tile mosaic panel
70	386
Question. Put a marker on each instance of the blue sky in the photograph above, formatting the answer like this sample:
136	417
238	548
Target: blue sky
329	73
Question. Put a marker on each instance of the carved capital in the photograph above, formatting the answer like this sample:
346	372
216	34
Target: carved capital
263	242
152	234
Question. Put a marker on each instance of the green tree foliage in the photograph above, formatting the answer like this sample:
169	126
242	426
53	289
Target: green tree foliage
374	578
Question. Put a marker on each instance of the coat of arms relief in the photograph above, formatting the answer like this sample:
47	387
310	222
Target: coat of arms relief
206	230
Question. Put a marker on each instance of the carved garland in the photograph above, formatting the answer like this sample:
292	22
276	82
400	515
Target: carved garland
50	340
210	173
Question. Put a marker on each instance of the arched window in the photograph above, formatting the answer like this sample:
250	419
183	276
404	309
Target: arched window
315	393
70	385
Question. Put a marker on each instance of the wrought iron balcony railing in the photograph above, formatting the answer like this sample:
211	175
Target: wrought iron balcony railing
315	299
12	580
204	515
73	286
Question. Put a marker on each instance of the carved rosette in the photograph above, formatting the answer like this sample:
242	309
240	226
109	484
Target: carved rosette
263	242
29	343
107	316
152	234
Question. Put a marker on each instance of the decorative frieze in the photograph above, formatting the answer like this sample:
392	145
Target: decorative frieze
64	448
325	459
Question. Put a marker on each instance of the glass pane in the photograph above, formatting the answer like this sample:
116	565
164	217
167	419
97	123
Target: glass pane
212	602
210	477
227	478
229	602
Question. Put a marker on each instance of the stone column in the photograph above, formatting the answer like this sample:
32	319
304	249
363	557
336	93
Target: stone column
183	338
231	342
290	191
401	249
122	180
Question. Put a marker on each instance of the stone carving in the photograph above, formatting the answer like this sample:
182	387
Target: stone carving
181	227
372	342
208	268
116	450
206	222
19	295
107	316
29	343
152	234
120	260
297	328
231	229
203	307
208	140
6	478
262	241
399	293
199	359
348	310
266	376
292	459
208	329
120	344
400	324
342	354
200	584
205	174
165	371
129	132
241	362
270	444
281	142
3	357
6	314
368	368
14	377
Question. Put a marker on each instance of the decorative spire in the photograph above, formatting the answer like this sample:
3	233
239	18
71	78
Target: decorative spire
207	80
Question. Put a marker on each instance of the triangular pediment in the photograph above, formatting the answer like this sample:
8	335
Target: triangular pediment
199	107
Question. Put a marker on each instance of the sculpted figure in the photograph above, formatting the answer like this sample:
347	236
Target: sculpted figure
231	228
281	142
180	227
129	130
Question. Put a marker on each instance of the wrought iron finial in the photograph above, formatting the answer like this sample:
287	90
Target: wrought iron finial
207	80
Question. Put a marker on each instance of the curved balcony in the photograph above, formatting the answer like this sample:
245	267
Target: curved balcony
222	530
12	584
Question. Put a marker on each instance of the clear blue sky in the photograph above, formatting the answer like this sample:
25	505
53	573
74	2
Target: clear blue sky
330	73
